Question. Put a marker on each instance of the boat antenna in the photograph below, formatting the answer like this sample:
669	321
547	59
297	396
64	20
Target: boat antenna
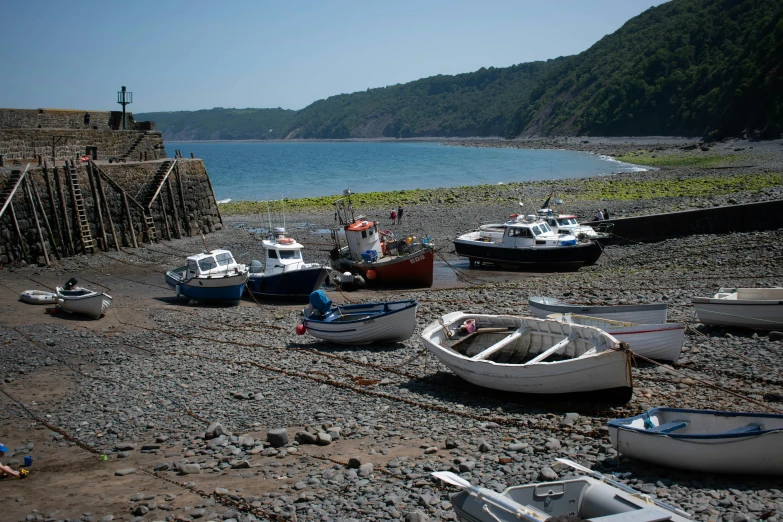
204	240
269	216
282	202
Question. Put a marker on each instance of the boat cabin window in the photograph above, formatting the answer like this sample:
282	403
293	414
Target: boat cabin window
553	222
519	232
272	254
224	259
364	233
536	230
192	266
207	264
372	230
567	221
290	254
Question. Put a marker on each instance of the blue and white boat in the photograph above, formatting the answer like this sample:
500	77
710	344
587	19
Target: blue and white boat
358	323
284	273
703	440
209	276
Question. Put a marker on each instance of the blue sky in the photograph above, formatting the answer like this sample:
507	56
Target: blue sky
189	55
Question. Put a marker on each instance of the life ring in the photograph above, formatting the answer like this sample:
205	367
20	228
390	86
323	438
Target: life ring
286	240
38	297
512	216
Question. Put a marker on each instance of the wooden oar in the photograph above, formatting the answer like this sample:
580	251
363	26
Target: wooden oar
488	495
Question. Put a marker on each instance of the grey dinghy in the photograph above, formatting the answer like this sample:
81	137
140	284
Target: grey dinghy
756	308
584	498
654	313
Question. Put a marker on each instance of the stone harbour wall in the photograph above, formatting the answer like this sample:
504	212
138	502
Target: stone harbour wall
68	119
190	208
21	146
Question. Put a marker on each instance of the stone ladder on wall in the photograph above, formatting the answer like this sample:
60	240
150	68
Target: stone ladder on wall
14	182
162	174
81	212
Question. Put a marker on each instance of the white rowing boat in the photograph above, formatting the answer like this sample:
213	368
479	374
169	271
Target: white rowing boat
703	440
662	342
756	308
528	355
77	300
654	313
359	323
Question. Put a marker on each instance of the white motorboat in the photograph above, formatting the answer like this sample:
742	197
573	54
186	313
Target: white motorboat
358	323
756	308
579	498
209	276
528	243
77	300
662	342
528	355
654	313
703	440
284	273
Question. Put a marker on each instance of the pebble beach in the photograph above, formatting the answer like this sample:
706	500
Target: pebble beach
225	413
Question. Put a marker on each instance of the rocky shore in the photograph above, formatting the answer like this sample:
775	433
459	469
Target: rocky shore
224	413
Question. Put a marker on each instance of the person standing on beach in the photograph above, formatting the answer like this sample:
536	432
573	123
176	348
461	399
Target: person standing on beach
399	215
606	214
599	216
5	470
86	120
393	216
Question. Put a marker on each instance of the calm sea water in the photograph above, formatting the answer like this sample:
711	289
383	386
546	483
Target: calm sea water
261	170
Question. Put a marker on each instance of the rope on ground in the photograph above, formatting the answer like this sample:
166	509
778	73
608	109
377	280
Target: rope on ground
690	328
52	427
706	383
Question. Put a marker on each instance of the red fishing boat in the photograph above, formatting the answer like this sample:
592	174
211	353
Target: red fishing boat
378	257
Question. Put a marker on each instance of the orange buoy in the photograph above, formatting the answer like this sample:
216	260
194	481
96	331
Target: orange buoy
300	329
371	274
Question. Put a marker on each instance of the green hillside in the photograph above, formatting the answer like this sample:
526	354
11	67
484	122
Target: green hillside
687	67
221	124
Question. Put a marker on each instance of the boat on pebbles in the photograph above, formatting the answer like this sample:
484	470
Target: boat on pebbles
591	498
209	276
366	323
526	243
529	355
755	308
703	440
284	274
78	300
662	342
654	313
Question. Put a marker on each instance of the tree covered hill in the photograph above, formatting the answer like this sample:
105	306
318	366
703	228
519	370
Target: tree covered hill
686	67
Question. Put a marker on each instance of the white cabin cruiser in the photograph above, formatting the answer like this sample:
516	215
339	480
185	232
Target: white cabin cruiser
209	276
526	242
284	272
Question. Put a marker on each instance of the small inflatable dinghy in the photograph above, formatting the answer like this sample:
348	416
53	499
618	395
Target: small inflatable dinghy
38	297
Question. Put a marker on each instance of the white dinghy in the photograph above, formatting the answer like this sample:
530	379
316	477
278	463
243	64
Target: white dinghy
756	308
654	313
528	355
662	342
77	300
358	323
703	440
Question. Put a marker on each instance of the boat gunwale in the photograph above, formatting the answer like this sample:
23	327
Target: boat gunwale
537	300
413	303
623	424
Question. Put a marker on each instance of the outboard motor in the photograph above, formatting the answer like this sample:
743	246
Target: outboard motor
72	282
320	302
256	267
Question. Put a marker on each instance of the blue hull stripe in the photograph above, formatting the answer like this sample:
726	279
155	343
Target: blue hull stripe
225	293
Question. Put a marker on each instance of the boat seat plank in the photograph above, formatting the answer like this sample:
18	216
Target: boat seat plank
641	515
540	357
748	428
669	427
481	356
